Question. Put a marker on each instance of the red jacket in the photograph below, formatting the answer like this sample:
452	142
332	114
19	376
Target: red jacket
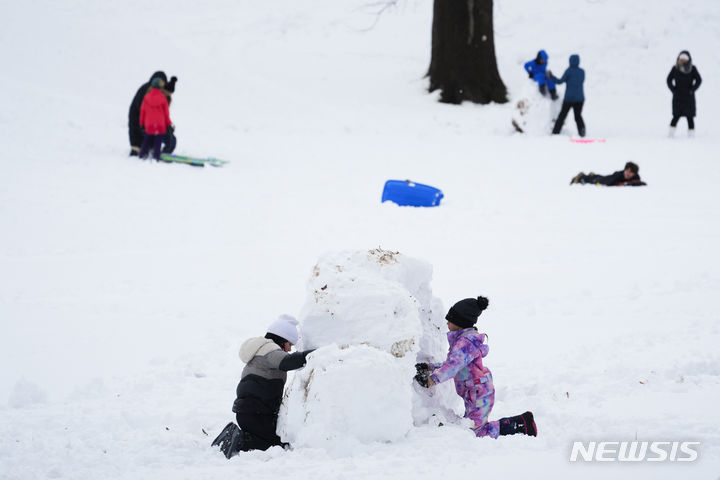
155	113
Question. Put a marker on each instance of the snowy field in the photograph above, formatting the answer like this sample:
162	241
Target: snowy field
126	287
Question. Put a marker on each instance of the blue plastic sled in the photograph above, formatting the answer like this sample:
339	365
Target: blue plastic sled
407	193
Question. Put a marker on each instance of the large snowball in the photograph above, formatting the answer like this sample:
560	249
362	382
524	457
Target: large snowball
340	401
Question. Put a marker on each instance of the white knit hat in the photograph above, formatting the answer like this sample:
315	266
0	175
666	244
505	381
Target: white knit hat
286	327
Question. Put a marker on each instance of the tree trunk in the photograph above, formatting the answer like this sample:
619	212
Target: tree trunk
463	64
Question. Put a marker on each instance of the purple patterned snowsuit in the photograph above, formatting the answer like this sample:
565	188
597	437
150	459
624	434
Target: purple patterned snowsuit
473	382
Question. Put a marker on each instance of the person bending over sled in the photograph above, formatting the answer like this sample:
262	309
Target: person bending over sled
473	381
260	390
627	177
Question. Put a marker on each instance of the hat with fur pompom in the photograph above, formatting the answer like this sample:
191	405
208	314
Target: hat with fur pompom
465	313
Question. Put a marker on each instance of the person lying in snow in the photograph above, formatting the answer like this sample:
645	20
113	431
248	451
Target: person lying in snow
473	381
260	390
627	177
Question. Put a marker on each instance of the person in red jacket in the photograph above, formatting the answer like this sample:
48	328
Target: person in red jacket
154	119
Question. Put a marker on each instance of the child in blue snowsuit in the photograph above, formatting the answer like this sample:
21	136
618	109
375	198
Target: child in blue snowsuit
536	69
473	381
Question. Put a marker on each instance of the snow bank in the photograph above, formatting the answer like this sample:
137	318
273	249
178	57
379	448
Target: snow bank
372	316
25	394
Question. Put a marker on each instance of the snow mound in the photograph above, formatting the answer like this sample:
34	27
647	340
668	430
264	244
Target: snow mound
534	113
25	394
372	316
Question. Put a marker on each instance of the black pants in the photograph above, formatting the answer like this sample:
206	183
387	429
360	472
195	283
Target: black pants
260	431
155	141
136	138
577	110
592	178
691	121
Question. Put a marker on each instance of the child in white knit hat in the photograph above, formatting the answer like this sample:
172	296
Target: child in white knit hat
260	390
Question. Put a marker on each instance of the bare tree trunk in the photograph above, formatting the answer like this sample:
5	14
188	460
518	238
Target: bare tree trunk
463	64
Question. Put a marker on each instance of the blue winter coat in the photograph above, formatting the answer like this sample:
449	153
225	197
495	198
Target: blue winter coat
574	76
537	69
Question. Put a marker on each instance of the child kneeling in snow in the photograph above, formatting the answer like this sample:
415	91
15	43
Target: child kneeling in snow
260	390
473	381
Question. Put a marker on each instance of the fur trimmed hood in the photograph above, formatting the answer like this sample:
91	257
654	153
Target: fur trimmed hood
256	346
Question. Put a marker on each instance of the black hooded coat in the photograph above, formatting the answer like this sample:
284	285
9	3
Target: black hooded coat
682	81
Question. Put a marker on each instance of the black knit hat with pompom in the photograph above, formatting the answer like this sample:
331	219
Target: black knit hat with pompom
465	313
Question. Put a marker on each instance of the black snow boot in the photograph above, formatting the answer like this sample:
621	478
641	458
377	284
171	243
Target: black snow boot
229	440
231	448
553	94
524	424
576	178
225	434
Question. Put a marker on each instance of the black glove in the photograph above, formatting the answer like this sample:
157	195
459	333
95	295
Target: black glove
423	374
530	74
170	87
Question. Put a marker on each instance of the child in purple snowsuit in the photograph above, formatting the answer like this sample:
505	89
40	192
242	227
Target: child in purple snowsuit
473	381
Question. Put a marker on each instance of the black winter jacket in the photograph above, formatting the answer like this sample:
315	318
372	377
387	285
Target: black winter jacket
263	379
683	86
618	178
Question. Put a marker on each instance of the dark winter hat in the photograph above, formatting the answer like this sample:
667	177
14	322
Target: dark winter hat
160	74
157	82
465	313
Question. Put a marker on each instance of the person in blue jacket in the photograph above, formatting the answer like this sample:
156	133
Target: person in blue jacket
574	77
536	69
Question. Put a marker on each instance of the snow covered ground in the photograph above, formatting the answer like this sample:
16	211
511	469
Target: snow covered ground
126	287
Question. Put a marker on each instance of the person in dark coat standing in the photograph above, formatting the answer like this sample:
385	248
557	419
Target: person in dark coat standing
682	81
626	177
260	391
574	77
134	131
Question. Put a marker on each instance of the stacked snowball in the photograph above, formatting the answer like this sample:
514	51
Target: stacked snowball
371	316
